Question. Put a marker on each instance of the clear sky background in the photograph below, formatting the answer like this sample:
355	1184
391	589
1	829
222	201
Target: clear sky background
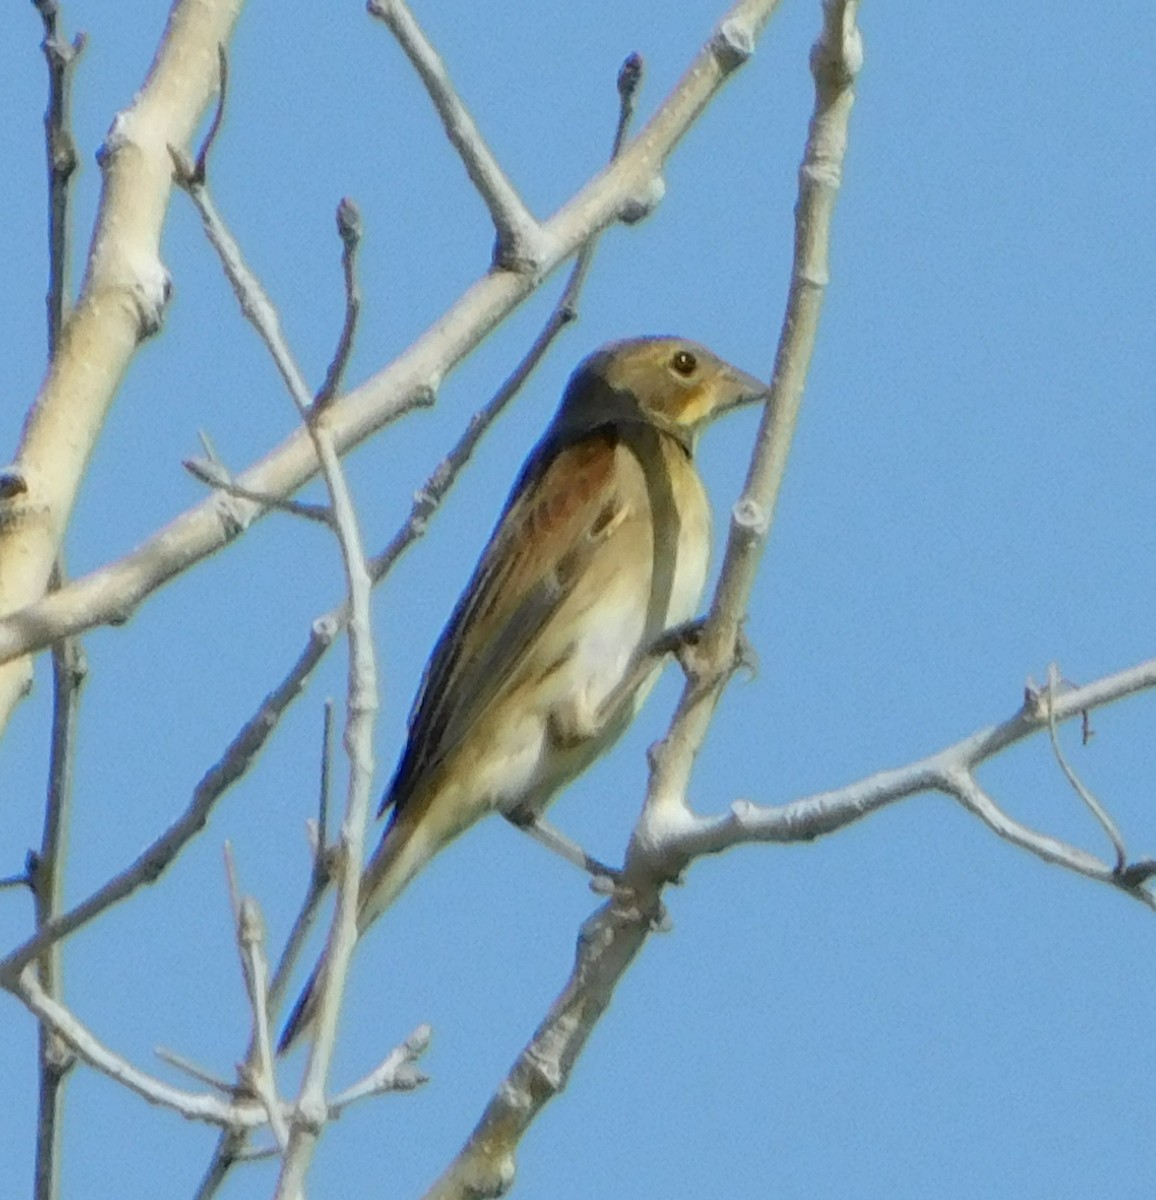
910	1008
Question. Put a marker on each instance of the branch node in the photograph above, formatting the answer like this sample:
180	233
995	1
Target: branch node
1135	875
425	395
12	483
325	628
641	204
837	57
750	516
152	289
732	44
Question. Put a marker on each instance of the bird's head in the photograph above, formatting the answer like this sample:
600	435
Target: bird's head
671	383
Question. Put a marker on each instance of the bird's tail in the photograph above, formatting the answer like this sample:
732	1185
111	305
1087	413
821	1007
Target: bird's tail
404	849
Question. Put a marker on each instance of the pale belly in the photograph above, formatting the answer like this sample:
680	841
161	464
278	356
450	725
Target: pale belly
569	723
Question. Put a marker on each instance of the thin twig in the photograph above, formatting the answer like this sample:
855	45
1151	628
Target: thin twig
232	1146
396	1073
319	881
256	306
319	876
61	56
1094	806
322	870
361	709
258	1073
950	771
214	1110
519	236
209	472
239	1114
310	1112
68	665
148	866
349	230
190	1068
324	785
69	671
210	138
629	82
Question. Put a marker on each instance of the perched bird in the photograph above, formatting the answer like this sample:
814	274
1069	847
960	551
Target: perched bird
602	548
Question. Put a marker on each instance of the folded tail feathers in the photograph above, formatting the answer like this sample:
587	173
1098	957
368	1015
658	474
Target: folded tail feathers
303	1012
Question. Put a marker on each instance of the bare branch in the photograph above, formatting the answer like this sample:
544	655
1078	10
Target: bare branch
324	784
121	302
238	1115
61	56
212	473
361	709
1093	805
519	242
949	771
194	1071
607	945
46	876
566	310
311	1110
255	303
429	496
396	1073
835	60
258	1073
155	859
232	1146
196	1106
349	230
611	939
202	164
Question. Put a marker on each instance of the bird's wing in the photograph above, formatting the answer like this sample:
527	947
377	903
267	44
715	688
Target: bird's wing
568	502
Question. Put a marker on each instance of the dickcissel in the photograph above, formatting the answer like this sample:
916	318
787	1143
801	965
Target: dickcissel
602	548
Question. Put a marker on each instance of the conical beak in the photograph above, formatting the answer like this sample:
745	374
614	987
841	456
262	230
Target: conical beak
743	389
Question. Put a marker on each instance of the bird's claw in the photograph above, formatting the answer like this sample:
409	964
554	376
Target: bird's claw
684	642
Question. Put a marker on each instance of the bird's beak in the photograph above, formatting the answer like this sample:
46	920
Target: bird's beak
742	389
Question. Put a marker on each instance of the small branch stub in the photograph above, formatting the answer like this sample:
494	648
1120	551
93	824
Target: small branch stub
750	517
640	204
733	44
12	483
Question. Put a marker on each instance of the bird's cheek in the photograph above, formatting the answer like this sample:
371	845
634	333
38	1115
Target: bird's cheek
698	405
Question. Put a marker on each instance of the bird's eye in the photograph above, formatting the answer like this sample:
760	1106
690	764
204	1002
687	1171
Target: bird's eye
684	362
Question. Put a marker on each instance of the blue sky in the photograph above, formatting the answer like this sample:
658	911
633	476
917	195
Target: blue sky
908	1008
